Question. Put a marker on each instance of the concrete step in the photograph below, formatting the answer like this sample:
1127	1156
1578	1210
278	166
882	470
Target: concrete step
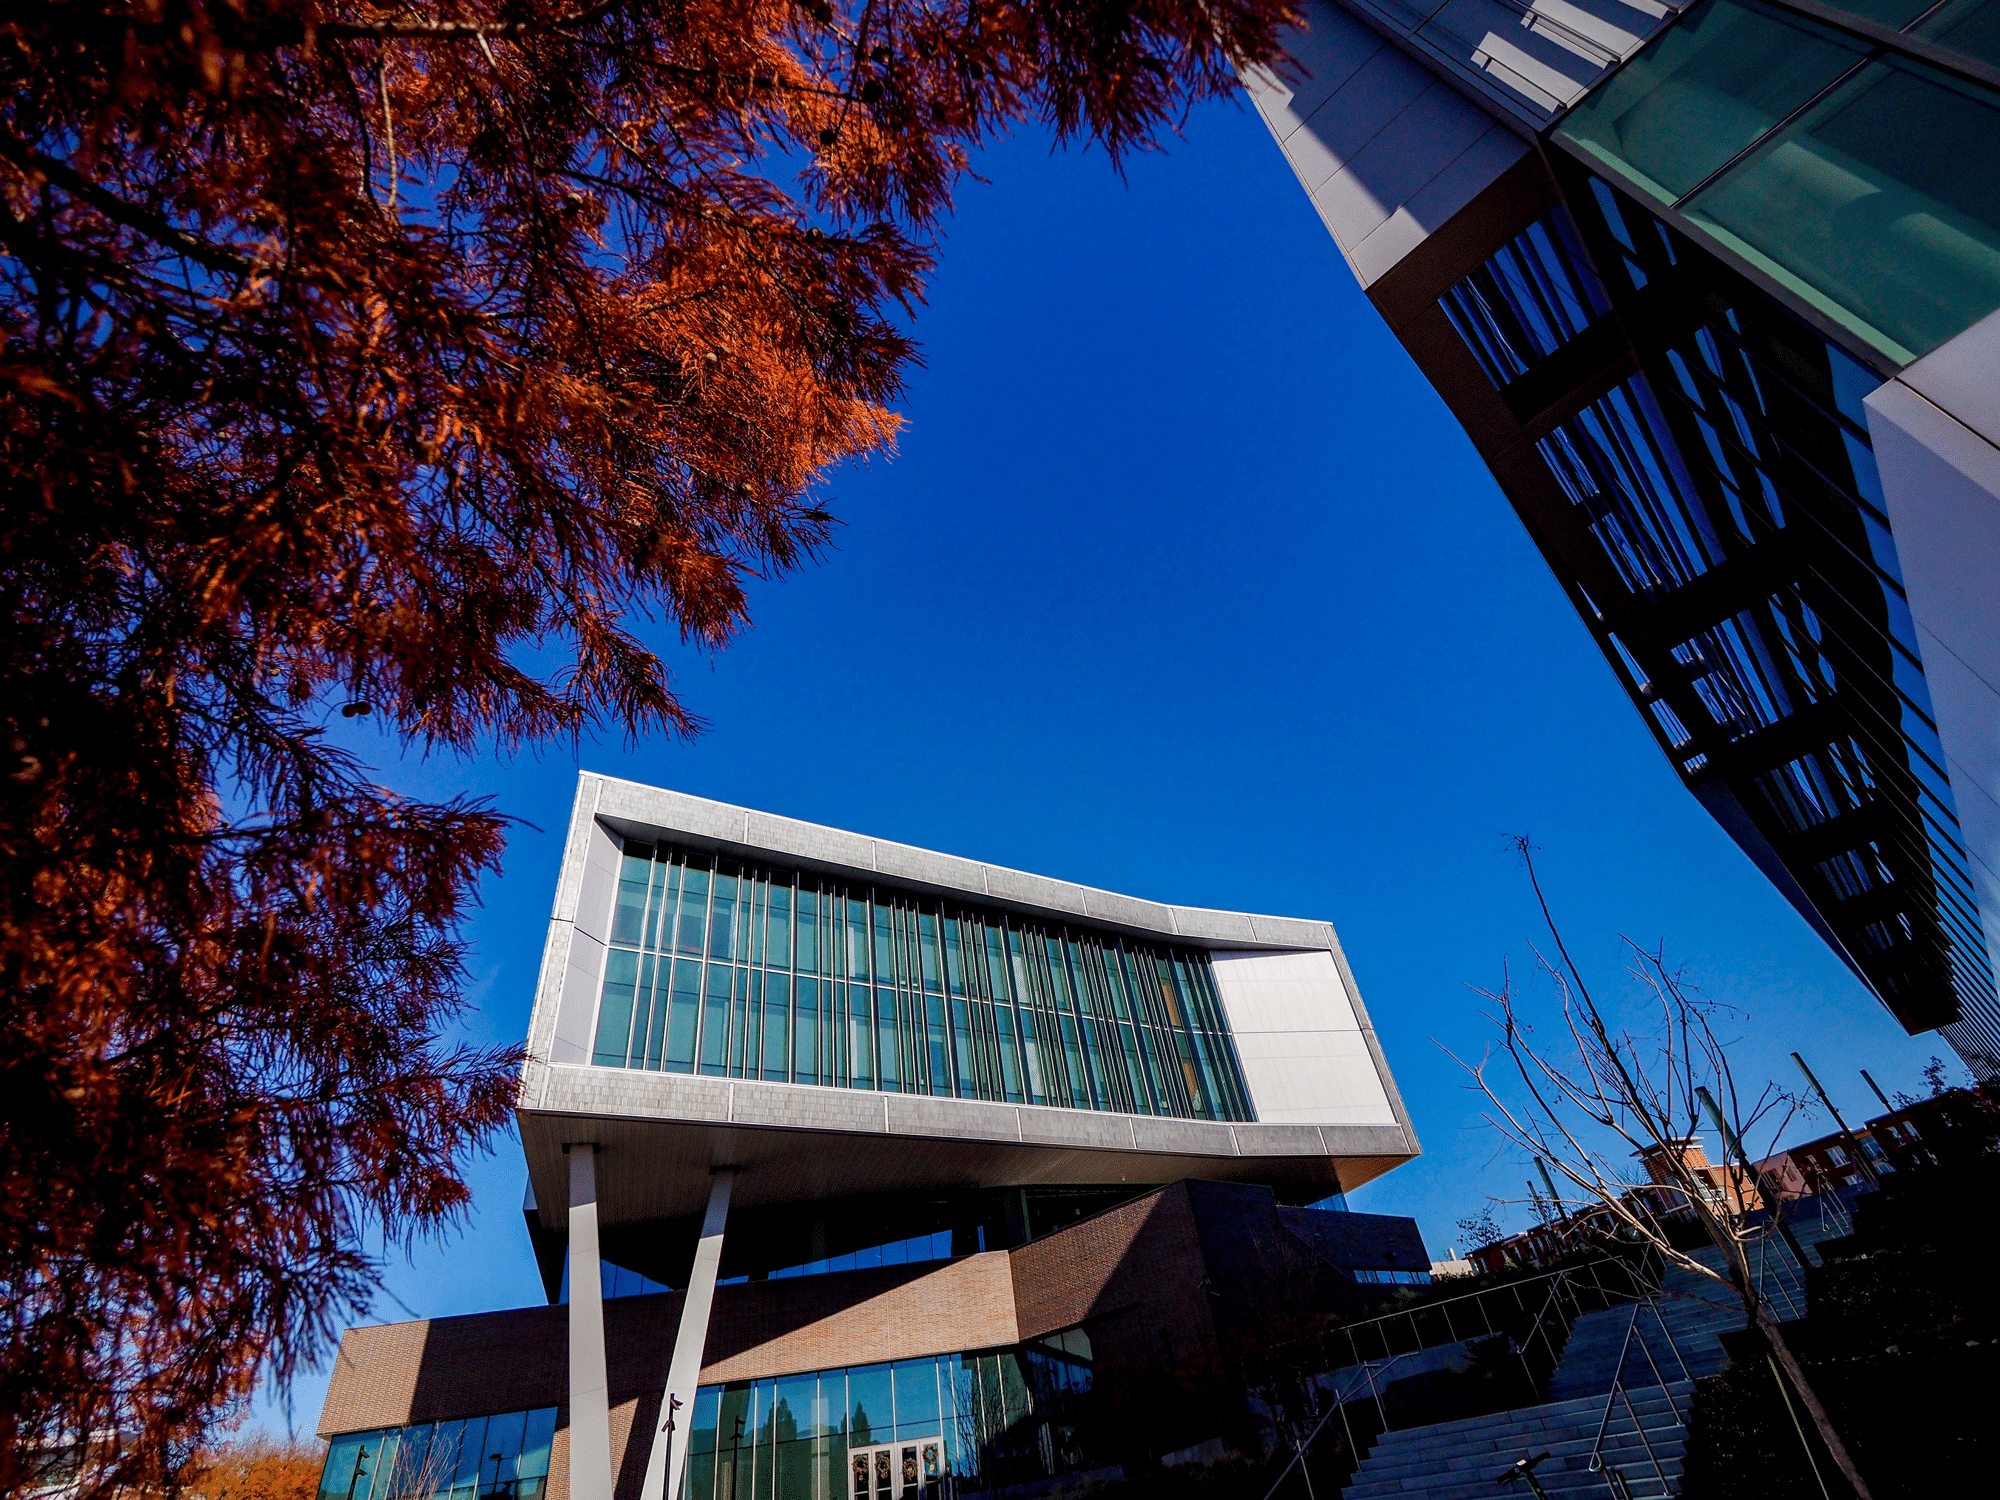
1643	1477
1463	1459
1554	1473
1551	1415
1664	1442
1651	1403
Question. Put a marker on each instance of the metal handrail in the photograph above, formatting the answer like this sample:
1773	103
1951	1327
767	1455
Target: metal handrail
1565	1273
1618	1392
1611	1396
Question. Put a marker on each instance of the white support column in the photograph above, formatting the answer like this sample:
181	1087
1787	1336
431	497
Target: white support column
589	1388
667	1461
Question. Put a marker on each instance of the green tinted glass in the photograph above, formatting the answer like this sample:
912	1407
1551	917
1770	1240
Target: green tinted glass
1704	90
1859	207
1968	27
1894	14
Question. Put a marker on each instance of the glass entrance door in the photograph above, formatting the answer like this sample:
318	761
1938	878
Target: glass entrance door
897	1471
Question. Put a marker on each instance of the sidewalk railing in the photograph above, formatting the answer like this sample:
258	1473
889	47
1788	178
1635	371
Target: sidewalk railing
1621	1482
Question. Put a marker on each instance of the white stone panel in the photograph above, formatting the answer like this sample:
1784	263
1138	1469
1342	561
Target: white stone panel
1430	206
1370	132
1936	431
1305	1057
1395	116
589	931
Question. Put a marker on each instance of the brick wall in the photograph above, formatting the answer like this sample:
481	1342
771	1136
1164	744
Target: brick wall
426	1371
860	1317
1142	1278
1145	1253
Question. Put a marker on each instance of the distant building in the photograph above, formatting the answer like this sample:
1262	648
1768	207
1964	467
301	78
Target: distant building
961	1177
1901	1138
1712	288
1585	1229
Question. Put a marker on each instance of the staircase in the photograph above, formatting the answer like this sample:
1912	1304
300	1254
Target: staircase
1673	1339
1677	1336
1460	1460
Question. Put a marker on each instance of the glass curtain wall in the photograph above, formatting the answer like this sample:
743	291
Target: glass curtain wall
502	1457
1863	179
1742	445
746	971
1003	1417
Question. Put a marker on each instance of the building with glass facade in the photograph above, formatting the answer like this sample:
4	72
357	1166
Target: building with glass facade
862	1170
1713	289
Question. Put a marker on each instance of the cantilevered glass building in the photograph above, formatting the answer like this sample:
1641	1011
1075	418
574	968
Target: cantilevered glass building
863	1172
1712	287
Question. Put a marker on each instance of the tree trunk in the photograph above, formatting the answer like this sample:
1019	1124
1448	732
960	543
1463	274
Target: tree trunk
1795	1372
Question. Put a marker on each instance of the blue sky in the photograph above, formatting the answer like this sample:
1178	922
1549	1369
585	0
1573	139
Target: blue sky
1185	584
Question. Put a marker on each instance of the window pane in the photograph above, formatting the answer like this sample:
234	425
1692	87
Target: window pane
1860	208
471	1452
1703	91
722	916
794	1462
871	1405
808	932
715	1018
343	1456
1529	299
636	869
535	1442
805	1066
735	1442
1894	14
655	1021
860	1032
778	934
797	1412
1970	28
614	1016
1031	1025
503	1448
681	1026
1013	1388
916	1398
777	1027
885	1033
694	909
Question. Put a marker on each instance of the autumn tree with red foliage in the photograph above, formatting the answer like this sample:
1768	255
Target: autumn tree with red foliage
257	1468
396	360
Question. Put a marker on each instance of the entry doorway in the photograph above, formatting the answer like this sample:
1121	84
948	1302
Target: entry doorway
911	1470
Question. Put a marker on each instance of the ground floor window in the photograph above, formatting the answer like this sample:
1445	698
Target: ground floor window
916	1429
500	1457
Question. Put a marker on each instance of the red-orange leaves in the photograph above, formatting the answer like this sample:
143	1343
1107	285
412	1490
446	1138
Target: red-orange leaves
393	356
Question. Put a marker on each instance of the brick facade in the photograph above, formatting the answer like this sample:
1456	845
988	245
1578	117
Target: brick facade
1141	1278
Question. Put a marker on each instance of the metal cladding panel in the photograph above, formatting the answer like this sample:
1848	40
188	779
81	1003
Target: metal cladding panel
796	1142
661	1137
1395	117
1936	430
1304	1050
1377	141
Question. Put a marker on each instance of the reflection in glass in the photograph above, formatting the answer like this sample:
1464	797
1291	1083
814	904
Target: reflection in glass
502	1457
1970	28
1533	296
1703	90
900	1430
793	978
1859	207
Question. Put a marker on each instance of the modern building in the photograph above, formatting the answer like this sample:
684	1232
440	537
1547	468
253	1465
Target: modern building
1712	288
959	1177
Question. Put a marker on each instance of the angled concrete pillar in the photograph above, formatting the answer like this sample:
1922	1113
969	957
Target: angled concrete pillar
589	1389
667	1461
